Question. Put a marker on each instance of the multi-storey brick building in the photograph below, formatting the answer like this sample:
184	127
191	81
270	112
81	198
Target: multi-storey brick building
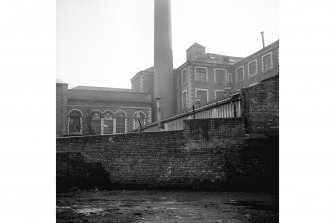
204	77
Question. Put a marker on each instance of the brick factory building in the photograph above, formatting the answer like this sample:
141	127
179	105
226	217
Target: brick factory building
203	78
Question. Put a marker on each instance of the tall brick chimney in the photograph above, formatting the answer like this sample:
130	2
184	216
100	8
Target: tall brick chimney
163	75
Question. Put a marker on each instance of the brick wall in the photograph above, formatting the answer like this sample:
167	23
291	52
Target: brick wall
261	107
61	108
135	85
208	154
260	74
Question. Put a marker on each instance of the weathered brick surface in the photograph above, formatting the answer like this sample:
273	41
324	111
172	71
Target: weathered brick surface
261	107
61	105
211	153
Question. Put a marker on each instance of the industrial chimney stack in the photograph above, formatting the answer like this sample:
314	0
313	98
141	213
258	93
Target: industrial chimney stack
163	74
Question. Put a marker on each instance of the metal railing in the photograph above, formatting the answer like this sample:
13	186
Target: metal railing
229	107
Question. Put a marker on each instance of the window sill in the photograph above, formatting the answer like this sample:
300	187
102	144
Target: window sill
73	134
252	75
198	81
264	71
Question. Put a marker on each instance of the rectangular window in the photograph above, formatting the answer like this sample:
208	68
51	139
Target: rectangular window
220	76
201	74
202	95
267	62
184	100
183	76
252	66
239	74
219	94
229	79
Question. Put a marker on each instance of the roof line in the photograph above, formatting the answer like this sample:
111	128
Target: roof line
195	43
128	92
138	73
265	48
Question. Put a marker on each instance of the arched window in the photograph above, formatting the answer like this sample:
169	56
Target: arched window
121	119
74	122
141	119
108	123
95	123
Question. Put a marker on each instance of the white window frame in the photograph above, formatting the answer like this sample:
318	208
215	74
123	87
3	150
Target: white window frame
125	120
227	78
249	74
195	74
224	76
201	89
80	120
183	83
218	91
237	81
103	121
271	62
134	118
182	102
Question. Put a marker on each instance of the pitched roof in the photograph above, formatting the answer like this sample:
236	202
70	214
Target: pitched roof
92	88
195	44
146	71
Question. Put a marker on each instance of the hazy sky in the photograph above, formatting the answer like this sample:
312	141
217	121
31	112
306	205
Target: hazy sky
106	42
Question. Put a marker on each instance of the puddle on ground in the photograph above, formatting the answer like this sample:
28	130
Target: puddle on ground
169	202
88	211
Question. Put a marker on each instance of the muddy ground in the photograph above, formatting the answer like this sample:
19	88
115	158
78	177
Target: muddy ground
164	206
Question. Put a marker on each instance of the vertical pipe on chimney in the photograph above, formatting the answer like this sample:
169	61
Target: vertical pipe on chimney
262	33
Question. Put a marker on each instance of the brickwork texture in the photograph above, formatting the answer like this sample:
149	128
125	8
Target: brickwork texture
207	154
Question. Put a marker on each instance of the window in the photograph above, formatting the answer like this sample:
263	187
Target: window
219	94
108	123
202	95
138	121
239	74
184	100
229	79
120	122
252	67
95	123
219	76
183	76
142	119
201	74
74	121
267	62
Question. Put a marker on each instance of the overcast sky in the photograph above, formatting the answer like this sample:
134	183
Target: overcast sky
106	42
